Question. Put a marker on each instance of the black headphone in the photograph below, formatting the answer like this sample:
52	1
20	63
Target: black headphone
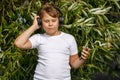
61	18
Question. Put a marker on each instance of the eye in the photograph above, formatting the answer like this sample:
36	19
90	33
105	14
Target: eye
54	20
46	21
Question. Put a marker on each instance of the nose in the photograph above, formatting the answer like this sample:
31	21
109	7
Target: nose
50	23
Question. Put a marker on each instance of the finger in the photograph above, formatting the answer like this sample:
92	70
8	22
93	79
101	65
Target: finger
35	17
85	52
86	48
83	57
35	22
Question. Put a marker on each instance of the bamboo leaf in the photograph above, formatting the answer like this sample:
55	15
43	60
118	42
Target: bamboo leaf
80	20
98	31
72	6
89	19
117	3
90	24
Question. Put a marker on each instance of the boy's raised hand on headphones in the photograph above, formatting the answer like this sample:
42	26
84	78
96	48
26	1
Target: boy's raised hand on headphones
35	22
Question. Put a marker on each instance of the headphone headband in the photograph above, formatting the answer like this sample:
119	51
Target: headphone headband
61	18
58	9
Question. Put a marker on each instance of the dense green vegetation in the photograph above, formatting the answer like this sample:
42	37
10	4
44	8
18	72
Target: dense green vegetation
93	23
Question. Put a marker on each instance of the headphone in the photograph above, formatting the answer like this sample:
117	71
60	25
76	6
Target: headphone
61	18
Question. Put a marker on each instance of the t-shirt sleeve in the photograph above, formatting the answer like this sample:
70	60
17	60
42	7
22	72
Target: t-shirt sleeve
34	39
73	47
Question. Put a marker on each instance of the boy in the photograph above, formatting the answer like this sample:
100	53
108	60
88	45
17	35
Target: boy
57	51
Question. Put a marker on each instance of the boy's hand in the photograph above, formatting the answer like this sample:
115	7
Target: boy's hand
85	53
35	22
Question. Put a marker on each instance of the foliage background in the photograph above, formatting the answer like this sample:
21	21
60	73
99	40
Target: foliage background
93	23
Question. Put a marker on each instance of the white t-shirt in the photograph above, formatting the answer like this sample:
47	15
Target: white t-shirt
53	56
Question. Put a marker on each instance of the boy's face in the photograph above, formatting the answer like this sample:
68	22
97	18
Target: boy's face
50	24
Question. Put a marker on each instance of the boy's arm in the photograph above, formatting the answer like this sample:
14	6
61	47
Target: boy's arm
22	41
76	62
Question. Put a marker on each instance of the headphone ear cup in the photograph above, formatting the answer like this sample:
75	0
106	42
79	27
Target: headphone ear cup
39	21
61	20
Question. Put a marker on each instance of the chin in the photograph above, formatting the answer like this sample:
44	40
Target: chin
51	33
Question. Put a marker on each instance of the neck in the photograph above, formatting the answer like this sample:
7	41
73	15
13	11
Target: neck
54	34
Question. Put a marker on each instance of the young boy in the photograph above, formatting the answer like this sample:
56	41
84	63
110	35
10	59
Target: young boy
57	51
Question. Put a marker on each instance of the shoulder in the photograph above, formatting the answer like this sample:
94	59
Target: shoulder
36	39
68	36
37	35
